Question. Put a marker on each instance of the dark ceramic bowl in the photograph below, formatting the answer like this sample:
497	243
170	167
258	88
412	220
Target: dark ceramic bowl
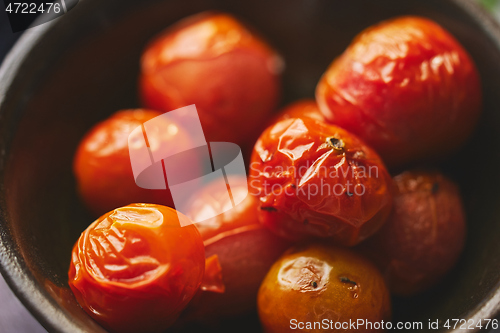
64	76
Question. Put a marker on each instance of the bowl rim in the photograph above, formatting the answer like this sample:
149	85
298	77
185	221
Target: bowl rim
40	304
12	268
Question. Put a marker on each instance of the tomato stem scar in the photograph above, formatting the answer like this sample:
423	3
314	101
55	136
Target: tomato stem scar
335	143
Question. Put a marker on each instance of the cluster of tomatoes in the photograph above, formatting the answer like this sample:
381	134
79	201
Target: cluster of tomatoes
330	229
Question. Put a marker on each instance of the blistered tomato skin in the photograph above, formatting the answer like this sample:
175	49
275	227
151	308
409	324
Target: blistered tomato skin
244	247
102	164
407	88
424	236
135	268
215	62
318	180
319	283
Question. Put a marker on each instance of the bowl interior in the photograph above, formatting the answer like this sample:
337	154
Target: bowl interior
83	67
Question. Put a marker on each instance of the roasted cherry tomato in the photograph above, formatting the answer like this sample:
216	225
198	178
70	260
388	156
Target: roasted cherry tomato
305	108
319	283
244	247
423	237
135	268
316	179
406	87
102	162
215	62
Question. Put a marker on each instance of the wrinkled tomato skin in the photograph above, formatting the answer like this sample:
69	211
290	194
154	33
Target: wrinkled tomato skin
306	108
232	76
424	236
135	268
317	282
307	188
102	164
245	249
407	88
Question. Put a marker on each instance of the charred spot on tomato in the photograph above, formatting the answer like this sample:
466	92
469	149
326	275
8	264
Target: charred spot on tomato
314	284
353	287
335	143
345	279
268	209
293	186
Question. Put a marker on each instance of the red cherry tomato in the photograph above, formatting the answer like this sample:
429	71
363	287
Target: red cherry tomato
423	237
102	162
135	268
406	87
244	247
315	179
215	62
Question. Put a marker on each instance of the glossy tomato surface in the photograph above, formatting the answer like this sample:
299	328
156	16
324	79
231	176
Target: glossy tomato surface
135	268
425	234
213	61
406	87
102	165
319	283
315	179
244	247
